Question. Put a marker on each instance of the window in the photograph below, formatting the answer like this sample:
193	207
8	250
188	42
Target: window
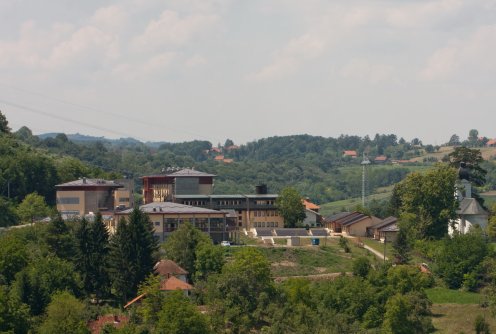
123	199
68	200
157	223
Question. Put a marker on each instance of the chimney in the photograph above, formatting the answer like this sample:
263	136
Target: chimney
84	180
468	188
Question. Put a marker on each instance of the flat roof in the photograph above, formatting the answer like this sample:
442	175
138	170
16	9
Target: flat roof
172	208
187	172
90	183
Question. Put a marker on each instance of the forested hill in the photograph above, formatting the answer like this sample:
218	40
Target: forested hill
314	165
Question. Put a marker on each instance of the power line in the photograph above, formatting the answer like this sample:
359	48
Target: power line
132	119
44	113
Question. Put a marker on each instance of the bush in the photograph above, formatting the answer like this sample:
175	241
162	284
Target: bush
361	267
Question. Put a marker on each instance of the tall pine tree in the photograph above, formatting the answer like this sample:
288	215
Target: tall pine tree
133	254
92	243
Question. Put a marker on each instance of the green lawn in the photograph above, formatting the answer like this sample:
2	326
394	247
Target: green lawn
459	318
312	260
378	246
349	204
446	296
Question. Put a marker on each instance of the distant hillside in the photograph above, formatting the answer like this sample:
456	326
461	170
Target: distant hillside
314	165
80	138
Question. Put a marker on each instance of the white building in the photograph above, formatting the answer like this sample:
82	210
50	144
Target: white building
470	212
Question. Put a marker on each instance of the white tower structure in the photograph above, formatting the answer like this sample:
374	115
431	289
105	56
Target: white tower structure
365	163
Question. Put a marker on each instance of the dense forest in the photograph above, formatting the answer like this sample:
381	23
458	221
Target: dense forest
314	165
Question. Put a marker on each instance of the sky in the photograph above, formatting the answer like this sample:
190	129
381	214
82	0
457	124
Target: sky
180	70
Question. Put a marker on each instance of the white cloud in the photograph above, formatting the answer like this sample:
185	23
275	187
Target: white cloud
423	14
195	61
287	61
470	57
110	18
86	44
171	29
363	70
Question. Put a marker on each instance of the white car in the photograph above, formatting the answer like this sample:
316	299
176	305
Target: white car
225	243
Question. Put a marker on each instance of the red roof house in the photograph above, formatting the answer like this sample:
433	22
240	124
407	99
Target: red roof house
350	153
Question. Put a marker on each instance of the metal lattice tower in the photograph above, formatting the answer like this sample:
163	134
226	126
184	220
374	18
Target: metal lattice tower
365	163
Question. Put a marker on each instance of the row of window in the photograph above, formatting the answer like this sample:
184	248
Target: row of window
265	202
195	203
266	224
67	200
265	213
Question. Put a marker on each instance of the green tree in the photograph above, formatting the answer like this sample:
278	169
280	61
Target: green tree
13	257
33	206
151	305
241	293
14	315
180	316
59	238
401	247
92	245
291	207
473	137
458	256
361	267
8	215
4	124
182	244
65	314
133	253
426	202
44	276
454	140
121	262
409	313
473	159
209	260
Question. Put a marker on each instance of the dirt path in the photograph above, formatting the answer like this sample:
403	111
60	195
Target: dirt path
376	253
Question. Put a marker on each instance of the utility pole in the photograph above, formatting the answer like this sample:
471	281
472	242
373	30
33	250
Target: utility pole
365	162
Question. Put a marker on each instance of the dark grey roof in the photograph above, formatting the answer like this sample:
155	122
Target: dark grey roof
387	221
337	216
170	207
470	206
189	173
90	183
319	232
291	232
264	232
353	219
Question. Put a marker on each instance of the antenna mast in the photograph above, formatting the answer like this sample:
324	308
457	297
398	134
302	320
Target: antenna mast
365	162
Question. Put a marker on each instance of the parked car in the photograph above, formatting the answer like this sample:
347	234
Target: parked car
225	243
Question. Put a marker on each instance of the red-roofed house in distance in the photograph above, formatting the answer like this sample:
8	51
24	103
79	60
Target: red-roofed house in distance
380	159
350	153
116	321
173	284
169	268
313	218
491	143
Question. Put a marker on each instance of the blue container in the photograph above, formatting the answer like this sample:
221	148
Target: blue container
315	242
